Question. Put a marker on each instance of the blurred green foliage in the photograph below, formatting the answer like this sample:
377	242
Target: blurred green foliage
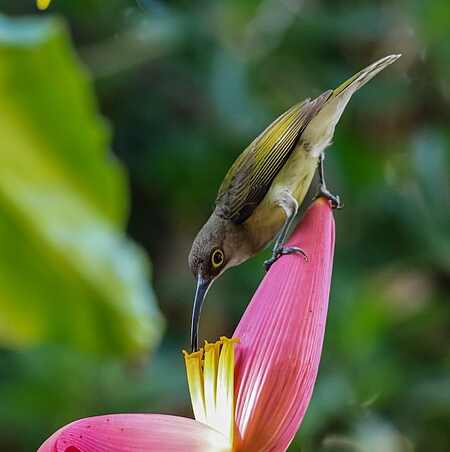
67	273
186	87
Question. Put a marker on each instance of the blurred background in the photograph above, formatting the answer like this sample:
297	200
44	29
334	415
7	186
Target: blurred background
118	121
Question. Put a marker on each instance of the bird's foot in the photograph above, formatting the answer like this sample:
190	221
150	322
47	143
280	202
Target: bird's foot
335	200
281	252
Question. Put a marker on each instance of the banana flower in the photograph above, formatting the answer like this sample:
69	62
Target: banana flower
249	394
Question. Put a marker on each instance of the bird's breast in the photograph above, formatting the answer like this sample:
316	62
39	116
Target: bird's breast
296	175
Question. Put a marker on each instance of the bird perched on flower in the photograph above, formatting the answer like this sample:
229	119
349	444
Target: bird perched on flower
262	191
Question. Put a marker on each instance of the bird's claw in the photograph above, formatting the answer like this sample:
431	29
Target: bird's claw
281	252
335	200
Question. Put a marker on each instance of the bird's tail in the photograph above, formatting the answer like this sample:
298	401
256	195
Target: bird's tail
361	78
320	130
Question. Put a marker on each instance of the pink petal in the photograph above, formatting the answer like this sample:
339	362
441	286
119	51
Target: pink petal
281	337
136	433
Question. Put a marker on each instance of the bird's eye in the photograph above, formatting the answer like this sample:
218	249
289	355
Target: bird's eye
217	258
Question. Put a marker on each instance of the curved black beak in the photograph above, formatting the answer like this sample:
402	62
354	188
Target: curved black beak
202	288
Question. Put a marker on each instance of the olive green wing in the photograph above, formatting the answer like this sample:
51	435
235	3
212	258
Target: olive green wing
250	177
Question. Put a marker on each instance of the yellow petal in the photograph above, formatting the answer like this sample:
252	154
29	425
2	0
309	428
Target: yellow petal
43	4
210	373
211	364
194	371
225	388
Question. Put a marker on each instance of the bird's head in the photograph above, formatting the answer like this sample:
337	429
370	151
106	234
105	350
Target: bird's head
216	248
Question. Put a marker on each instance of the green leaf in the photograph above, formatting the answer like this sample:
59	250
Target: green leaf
67	272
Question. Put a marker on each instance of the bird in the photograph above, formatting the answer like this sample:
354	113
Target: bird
261	193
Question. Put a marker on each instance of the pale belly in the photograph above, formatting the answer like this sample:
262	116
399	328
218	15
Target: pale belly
294	178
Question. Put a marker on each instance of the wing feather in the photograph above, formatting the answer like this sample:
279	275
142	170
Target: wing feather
250	177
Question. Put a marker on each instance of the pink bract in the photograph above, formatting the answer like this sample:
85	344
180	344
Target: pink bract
136	433
276	363
281	337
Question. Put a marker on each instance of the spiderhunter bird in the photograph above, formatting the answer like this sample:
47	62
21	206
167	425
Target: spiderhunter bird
262	191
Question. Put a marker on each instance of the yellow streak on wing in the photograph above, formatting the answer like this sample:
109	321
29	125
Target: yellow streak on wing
273	144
